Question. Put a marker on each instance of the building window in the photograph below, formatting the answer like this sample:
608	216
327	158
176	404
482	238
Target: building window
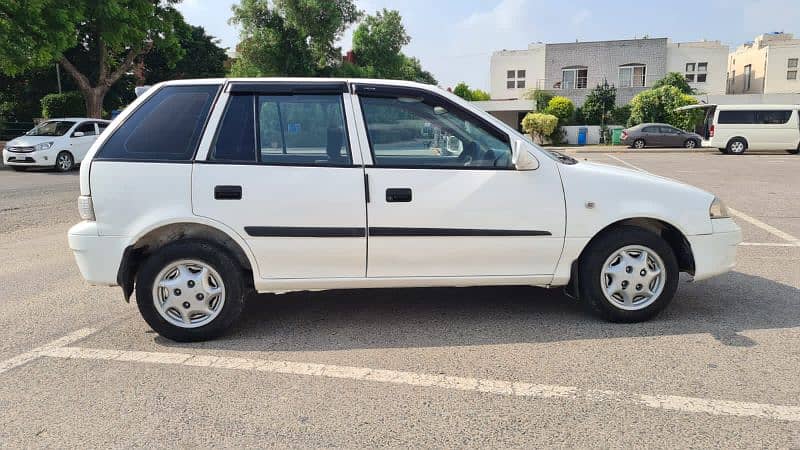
515	79
747	77
574	78
690	77
792	63
702	67
701	78
690	67
791	74
633	75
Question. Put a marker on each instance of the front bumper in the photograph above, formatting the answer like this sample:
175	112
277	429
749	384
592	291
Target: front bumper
31	159
98	257
715	253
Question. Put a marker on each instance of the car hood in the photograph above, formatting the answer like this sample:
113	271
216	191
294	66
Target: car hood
30	141
619	193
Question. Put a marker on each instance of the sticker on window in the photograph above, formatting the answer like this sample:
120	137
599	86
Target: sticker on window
293	128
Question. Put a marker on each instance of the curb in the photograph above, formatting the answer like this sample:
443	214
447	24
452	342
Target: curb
643	151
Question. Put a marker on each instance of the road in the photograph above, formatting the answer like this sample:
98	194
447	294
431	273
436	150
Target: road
482	367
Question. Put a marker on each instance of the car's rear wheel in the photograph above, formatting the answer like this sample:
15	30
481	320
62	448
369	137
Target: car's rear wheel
795	151
64	162
628	275
690	143
190	291
736	146
639	143
19	169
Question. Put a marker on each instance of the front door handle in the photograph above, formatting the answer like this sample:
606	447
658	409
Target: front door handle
228	192
397	195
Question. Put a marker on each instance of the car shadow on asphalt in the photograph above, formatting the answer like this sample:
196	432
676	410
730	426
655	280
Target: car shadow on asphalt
439	317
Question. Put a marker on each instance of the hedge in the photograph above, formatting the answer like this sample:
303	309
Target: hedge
67	104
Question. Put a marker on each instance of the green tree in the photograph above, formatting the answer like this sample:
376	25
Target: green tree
202	57
377	42
479	95
599	104
674	79
561	107
540	98
463	91
113	34
659	104
290	37
539	125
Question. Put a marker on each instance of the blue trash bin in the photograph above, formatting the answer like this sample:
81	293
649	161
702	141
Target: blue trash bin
582	133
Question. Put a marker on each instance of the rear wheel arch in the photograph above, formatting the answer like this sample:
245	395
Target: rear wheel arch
155	239
735	139
676	240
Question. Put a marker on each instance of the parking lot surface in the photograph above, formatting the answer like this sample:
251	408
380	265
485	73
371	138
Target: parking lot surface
470	367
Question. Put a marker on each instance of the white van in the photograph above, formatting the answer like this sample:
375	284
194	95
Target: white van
735	129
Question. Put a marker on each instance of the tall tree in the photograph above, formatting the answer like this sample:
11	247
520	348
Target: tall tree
114	34
599	104
202	57
675	79
290	37
377	42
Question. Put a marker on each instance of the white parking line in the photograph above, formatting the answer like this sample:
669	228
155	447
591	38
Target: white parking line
489	386
767	244
37	352
766	227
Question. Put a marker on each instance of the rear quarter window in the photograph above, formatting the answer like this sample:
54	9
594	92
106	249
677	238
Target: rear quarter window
167	127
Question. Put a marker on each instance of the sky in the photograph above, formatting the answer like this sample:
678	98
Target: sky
454	39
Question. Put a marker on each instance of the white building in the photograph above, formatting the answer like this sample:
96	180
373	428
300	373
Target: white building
768	65
703	63
515	71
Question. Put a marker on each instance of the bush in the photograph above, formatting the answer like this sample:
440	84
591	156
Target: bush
540	98
659	104
562	108
599	103
67	104
539	125
620	115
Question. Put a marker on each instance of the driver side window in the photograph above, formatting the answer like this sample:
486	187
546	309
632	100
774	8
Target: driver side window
426	133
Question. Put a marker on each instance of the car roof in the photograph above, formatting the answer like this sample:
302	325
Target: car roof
76	119
756	107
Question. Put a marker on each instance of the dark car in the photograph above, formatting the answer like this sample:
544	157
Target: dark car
659	135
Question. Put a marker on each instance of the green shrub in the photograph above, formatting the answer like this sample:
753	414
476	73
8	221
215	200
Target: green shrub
620	115
561	107
67	104
539	125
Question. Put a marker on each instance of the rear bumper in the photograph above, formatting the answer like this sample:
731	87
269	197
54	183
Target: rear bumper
715	253
98	257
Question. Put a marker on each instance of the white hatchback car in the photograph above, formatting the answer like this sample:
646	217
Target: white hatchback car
56	143
205	190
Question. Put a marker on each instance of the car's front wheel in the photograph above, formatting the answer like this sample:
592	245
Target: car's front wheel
19	169
628	275
64	162
190	291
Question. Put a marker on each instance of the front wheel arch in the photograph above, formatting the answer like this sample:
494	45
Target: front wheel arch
672	235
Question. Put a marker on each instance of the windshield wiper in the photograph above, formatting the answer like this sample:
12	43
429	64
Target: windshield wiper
564	158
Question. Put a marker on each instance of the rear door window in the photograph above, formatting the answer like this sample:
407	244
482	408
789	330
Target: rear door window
773	117
737	117
87	128
167	127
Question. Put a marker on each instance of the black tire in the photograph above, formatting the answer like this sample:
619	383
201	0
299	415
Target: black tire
226	266
64	162
734	149
691	143
18	168
639	144
724	151
795	151
602	248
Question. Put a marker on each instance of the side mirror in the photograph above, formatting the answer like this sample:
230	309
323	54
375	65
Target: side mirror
78	134
522	158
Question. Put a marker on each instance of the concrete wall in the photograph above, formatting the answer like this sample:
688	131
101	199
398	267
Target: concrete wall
530	60
777	60
711	52
741	57
603	60
592	135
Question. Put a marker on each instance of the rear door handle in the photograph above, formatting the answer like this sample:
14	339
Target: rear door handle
397	195
228	192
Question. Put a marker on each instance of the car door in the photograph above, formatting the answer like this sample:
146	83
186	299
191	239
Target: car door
671	137
444	199
280	172
81	138
652	136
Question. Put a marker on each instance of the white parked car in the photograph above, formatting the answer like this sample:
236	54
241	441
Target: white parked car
205	190
57	143
735	129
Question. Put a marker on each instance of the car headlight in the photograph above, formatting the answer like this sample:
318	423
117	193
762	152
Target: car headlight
43	146
718	210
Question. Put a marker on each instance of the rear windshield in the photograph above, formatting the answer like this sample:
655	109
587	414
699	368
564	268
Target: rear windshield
167	127
758	117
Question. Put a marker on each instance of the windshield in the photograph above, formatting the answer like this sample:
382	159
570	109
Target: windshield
51	128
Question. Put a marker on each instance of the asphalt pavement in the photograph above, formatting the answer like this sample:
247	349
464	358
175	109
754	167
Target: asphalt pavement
469	367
